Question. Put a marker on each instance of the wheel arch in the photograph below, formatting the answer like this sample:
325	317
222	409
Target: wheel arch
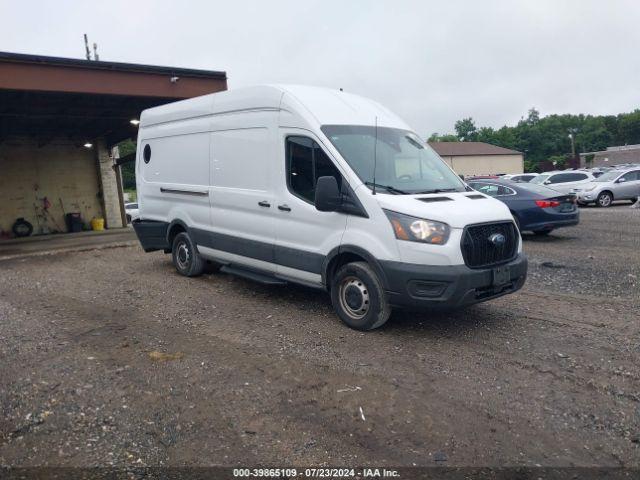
344	254
610	192
175	227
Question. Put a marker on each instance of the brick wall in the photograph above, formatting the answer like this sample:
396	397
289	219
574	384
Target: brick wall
60	171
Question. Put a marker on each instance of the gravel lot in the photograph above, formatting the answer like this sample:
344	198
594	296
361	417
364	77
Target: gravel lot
110	358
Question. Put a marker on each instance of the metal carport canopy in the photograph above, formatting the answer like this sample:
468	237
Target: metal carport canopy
45	97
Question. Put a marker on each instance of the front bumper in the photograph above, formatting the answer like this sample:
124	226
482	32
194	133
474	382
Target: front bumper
587	197
448	287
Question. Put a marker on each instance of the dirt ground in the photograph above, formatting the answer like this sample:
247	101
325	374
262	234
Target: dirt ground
109	357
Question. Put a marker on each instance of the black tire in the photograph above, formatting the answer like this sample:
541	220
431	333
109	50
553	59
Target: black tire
212	267
542	233
358	297
186	258
22	228
128	219
604	200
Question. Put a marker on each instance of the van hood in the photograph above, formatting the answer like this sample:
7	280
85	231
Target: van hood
457	209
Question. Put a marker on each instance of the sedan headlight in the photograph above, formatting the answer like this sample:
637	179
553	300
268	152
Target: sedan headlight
415	229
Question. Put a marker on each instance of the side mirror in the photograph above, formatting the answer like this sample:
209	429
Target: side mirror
327	197
547	182
621	180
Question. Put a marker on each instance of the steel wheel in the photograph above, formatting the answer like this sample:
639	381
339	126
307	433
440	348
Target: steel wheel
354	297
183	255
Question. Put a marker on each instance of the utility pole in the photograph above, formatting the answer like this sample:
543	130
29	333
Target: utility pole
575	162
86	47
573	146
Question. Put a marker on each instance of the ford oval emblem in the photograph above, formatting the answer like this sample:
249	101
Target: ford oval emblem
497	239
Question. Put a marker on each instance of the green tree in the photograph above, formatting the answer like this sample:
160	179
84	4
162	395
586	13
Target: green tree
629	128
541	138
435	137
558	161
466	130
128	170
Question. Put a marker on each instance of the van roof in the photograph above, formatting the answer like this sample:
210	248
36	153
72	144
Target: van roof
325	106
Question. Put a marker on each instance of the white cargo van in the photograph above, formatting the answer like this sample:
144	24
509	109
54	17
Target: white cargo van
323	188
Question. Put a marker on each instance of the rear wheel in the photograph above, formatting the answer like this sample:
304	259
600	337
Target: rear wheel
186	258
358	297
604	199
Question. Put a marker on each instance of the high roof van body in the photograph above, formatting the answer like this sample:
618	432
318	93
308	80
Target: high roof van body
322	188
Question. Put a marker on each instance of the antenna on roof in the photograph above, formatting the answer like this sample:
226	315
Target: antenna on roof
375	157
86	47
95	52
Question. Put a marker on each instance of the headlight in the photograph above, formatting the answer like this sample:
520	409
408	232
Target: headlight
417	229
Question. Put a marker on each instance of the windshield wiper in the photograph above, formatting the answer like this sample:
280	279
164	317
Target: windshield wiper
388	188
438	190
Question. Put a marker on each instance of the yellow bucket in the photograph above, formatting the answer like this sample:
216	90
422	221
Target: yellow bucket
97	224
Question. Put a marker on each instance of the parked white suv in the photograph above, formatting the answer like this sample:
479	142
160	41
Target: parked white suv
323	188
613	185
564	182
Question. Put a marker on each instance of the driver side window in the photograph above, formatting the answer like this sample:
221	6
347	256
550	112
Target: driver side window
306	162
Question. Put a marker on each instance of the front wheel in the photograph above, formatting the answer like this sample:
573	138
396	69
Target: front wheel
604	199
186	258
358	297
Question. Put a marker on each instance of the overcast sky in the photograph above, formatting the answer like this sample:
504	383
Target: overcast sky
430	62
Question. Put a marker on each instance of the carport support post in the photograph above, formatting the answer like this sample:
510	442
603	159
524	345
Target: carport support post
115	154
111	198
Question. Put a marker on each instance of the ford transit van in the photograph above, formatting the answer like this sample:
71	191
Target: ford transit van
322	188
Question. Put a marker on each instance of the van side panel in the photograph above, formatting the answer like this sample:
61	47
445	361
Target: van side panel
242	199
174	184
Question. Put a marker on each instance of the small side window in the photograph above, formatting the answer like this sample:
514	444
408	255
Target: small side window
505	191
306	162
631	176
487	189
146	153
556	178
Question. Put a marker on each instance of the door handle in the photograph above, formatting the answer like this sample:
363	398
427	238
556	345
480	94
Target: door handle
264	203
284	208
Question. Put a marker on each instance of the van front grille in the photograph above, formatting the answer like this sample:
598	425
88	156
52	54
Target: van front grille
481	245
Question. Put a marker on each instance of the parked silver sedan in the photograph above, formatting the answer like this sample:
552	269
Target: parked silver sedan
613	185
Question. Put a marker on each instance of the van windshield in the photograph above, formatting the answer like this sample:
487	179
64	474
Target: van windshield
404	165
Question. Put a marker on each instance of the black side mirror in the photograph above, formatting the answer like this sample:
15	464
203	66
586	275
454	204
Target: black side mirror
328	197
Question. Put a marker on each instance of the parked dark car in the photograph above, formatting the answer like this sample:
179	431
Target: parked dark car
535	208
523	178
